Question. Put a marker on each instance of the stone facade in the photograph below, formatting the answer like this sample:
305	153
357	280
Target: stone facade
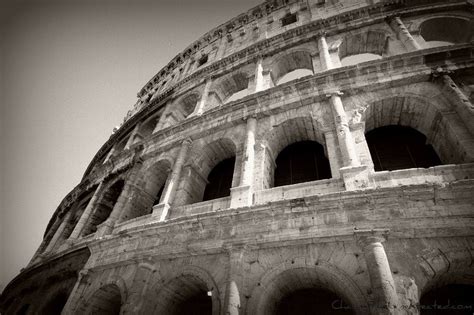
135	236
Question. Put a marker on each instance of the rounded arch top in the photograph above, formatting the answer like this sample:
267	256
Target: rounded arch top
284	279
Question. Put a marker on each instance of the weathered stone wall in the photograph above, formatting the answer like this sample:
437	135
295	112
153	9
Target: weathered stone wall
377	240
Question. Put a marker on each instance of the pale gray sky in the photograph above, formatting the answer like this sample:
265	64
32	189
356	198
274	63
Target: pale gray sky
69	72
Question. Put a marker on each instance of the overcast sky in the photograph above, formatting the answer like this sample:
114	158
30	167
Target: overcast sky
70	70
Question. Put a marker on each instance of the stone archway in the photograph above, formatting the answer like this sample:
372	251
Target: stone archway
321	288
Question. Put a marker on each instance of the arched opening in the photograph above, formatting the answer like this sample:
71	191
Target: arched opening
301	162
187	105
355	59
152	183
446	31
185	295
449	299
397	147
312	301
356	48
292	66
307	290
197	173
55	305
77	213
424	116
232	87
147	128
105	301
220	180
104	207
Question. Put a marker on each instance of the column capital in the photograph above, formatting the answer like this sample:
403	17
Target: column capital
321	34
439	72
365	238
187	142
330	94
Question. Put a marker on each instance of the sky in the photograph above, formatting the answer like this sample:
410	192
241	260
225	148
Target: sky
69	72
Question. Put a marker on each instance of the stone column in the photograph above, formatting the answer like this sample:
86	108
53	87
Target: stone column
131	138
381	280
232	304
202	102
58	232
463	105
87	213
403	34
242	196
161	210
326	62
344	136
354	174
138	290
123	204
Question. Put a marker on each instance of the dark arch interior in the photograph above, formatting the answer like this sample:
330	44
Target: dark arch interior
220	180
312	301
198	304
55	305
452	299
104	207
106	301
446	29
397	147
184	295
301	162
158	195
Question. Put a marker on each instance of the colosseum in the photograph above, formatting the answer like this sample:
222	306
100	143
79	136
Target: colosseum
306	157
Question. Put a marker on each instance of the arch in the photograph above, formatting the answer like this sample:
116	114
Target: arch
398	147
147	128
186	105
440	31
152	181
282	135
291	66
77	211
104	206
300	162
220	180
202	159
106	300
230	88
368	45
283	281
114	289
421	114
190	285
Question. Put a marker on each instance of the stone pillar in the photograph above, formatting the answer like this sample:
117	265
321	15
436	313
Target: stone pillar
161	210
332	153
344	136
87	213
242	196
131	138
58	232
403	34
138	290
232	304
381	280
202	102
463	105
354	174
123	204
325	57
